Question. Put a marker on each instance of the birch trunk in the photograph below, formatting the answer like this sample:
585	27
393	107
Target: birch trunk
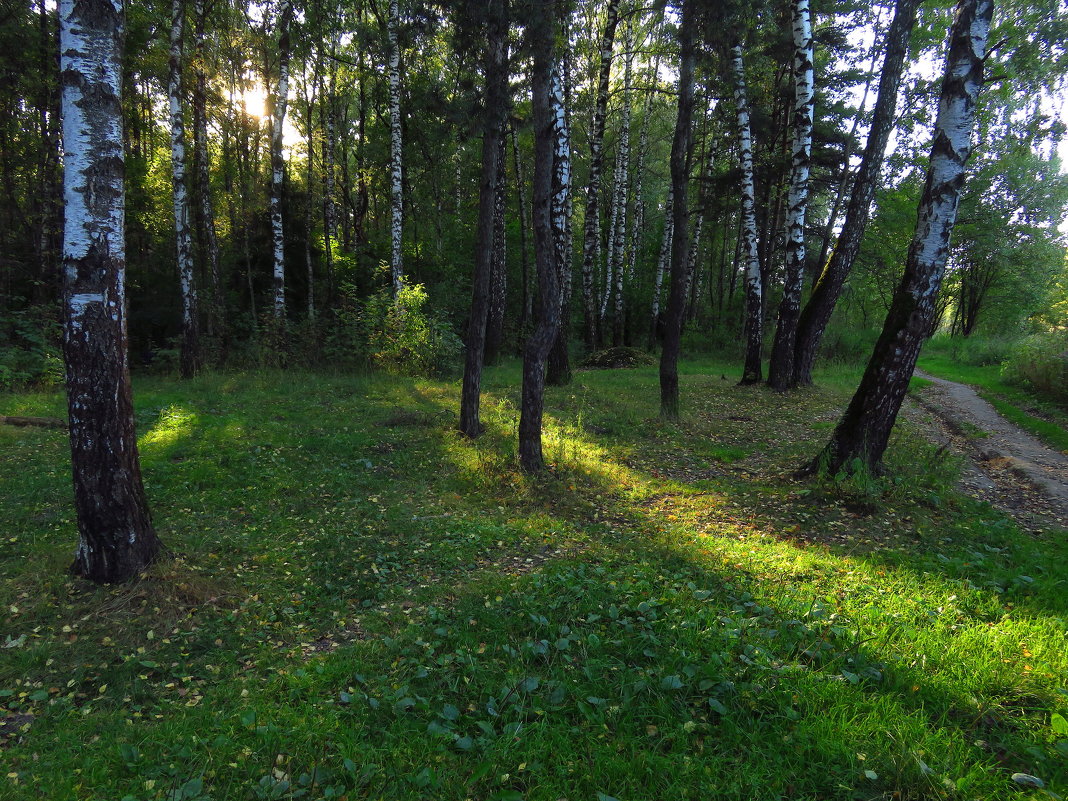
680	151
754	323
661	268
591	231
616	250
396	165
489	190
781	369
116	538
542	34
862	434
209	241
189	352
559	368
820	306
278	165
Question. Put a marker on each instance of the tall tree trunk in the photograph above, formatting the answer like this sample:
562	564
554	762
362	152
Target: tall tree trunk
278	164
499	271
526	304
591	231
817	312
661	267
328	111
617	248
489	190
117	541
862	433
205	218
680	170
558	372
396	164
189	353
542	34
754	317
309	178
781	369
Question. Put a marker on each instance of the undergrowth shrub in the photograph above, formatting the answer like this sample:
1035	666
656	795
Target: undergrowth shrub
847	345
1040	362
975	350
30	350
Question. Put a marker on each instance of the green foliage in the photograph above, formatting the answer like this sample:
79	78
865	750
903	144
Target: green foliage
1040	362
613	358
976	351
30	348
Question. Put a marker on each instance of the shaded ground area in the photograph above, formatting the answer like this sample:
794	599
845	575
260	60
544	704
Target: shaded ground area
1006	465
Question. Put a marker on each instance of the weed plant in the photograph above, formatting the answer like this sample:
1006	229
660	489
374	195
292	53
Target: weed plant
361	603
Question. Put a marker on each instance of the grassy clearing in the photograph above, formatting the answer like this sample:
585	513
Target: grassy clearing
362	604
1044	420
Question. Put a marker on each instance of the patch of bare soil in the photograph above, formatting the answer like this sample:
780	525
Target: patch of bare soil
1004	464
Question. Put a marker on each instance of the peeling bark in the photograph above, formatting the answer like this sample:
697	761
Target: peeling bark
117	541
396	164
558	372
278	164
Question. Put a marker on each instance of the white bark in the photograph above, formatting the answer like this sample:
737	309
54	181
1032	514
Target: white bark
561	200
751	251
396	263
662	259
797	199
278	160
618	227
182	236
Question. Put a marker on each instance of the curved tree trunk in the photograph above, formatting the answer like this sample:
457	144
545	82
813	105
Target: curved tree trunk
117	541
396	194
754	322
680	170
189	352
781	369
489	191
817	312
278	164
591	227
862	434
542	34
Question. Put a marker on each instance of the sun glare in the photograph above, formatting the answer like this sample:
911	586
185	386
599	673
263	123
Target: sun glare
254	100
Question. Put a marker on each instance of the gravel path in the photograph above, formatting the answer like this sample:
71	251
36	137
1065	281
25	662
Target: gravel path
1007	466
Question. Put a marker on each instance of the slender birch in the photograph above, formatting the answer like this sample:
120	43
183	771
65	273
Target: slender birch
591	233
754	323
396	164
558	371
278	164
209	241
189	352
781	369
618	231
542	34
820	306
116	538
862	434
661	267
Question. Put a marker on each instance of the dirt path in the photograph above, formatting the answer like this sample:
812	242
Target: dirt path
1005	465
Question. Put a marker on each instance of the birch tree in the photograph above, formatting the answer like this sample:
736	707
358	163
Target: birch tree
661	267
189	352
618	229
278	164
591	229
754	316
558	370
396	164
861	435
116	537
817	312
781	368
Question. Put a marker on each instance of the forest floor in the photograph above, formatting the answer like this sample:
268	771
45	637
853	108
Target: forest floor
361	603
1015	471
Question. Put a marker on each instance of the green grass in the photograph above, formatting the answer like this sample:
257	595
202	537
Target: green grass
1044	420
362	604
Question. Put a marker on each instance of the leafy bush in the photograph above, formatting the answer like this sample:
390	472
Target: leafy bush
1040	362
975	351
30	352
618	357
